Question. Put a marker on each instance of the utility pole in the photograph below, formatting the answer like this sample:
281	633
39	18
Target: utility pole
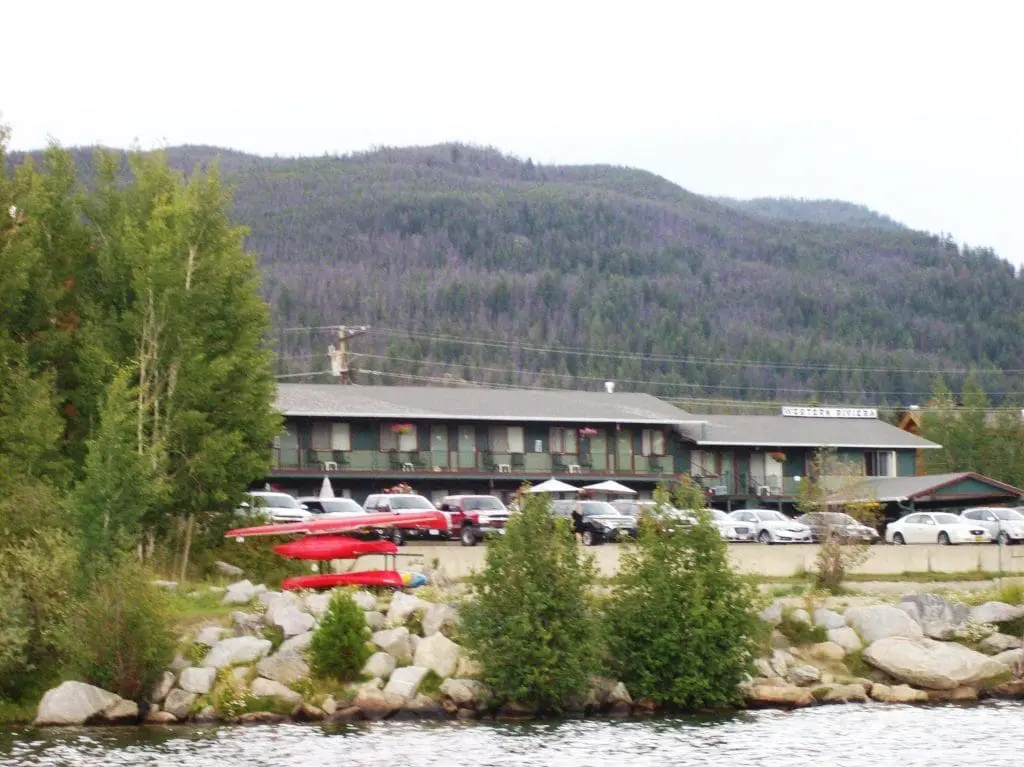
339	355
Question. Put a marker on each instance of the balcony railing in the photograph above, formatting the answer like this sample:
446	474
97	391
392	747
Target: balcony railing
742	484
468	461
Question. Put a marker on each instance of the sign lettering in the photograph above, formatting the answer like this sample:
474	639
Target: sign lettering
830	412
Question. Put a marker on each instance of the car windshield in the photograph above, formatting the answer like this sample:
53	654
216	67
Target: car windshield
718	515
275	501
947	519
771	516
340	505
1008	515
482	504
598	509
407	502
834	518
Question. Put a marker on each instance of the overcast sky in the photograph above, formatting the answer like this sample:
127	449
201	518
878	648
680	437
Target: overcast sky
912	108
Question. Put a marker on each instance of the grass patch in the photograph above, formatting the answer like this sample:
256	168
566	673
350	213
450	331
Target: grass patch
191	609
317	690
917	576
855	662
431	684
276	636
1011	593
795	589
798	632
193	652
18	712
1013	628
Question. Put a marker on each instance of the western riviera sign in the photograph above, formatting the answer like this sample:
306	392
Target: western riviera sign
831	412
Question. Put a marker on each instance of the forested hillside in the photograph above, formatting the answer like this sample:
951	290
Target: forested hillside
824	212
652	286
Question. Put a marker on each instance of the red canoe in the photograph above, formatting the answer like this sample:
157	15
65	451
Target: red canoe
323	547
390	578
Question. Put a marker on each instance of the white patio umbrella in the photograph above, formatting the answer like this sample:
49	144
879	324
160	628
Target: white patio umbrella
554	486
326	491
611	487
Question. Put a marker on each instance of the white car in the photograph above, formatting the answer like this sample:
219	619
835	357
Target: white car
280	507
330	508
770	526
1004	525
729	528
935	527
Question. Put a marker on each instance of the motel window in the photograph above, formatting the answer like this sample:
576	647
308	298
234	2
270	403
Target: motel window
562	441
404	440
506	439
880	463
329	435
652	442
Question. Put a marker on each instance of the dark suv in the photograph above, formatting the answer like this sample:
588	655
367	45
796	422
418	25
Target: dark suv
472	517
601	521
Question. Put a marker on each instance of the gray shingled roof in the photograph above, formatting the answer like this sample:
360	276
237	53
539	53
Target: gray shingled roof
891	489
794	431
477	404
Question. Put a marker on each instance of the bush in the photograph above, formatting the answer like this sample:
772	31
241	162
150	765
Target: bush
681	624
120	637
531	624
338	649
800	632
35	596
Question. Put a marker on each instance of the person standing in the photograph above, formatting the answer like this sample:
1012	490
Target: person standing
577	521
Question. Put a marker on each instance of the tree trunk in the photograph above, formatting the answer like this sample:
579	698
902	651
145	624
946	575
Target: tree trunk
189	526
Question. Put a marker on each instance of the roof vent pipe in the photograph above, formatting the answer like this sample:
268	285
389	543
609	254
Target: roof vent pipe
609	386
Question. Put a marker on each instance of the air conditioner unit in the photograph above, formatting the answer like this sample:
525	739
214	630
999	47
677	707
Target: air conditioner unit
719	490
764	490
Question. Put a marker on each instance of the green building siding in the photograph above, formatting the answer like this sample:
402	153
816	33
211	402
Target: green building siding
906	463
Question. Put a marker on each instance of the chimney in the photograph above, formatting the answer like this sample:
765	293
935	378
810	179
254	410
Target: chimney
609	386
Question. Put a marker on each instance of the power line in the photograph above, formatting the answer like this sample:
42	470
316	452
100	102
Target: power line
639	356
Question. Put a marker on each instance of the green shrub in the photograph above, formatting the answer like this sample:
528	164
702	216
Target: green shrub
256	556
530	623
276	636
338	649
1011	593
800	632
120	637
36	574
681	624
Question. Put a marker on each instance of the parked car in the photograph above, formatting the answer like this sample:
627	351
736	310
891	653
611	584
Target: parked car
633	507
935	527
731	529
1004	525
324	508
842	527
280	508
473	517
601	521
401	503
770	526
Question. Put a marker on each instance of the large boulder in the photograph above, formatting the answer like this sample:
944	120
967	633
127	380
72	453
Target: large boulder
777	695
997	643
406	681
122	712
465	693
1012	660
772	614
296	645
224	568
267	598
239	593
73	703
286	669
439	618
364	600
210	635
828	619
842	693
924	662
179	703
197	680
900	693
163	686
317	602
236	650
402	607
468	668
395	642
803	675
289	614
375	620
268	688
380	665
247	624
827	651
874	622
439	654
938	618
846	638
995	612
374	703
781	661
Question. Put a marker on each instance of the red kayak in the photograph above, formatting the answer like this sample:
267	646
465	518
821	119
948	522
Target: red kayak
433	520
389	578
323	547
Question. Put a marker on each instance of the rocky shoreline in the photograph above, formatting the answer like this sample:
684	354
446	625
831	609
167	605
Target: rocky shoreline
923	649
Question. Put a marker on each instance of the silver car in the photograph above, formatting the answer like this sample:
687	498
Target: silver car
1005	525
281	508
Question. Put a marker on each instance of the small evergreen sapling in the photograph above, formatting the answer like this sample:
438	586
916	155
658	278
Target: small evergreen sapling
338	649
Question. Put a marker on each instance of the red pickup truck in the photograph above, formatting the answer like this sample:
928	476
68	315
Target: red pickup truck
473	517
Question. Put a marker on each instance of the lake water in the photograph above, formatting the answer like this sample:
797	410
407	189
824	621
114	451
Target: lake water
990	734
